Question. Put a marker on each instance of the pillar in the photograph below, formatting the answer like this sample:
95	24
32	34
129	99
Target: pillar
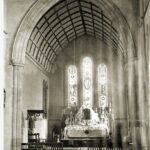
130	96
137	98
17	107
137	107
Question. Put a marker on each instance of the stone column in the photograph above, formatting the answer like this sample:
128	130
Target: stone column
17	107
141	124
148	94
142	103
138	132
130	95
137	107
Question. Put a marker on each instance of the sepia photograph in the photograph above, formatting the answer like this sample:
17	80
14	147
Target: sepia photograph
76	75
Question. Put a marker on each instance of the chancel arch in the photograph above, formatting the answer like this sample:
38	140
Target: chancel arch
40	8
42	40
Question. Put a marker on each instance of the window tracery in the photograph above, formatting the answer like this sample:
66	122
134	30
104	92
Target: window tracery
87	82
72	85
102	85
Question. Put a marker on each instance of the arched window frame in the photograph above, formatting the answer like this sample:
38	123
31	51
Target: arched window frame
102	85
72	86
87	78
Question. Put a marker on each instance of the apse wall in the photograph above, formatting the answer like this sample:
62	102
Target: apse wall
73	54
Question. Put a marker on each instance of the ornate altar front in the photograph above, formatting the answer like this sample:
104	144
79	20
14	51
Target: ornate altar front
84	132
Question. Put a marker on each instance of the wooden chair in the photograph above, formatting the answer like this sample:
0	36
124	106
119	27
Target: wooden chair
32	146
33	137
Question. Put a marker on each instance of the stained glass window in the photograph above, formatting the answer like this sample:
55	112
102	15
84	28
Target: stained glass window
102	85
87	82
72	85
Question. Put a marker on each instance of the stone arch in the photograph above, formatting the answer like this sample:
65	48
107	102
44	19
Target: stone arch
19	52
40	7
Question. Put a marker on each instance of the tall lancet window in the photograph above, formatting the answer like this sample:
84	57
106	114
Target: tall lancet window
72	85
87	67
45	94
102	86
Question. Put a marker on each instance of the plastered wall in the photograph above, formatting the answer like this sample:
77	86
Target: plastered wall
32	87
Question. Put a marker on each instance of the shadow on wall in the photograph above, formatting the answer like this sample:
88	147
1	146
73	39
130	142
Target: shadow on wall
54	128
119	135
55	133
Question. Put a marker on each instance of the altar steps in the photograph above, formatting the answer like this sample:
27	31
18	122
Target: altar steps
60	146
52	148
73	148
91	148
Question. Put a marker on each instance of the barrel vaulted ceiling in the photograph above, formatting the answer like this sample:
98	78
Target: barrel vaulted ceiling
65	21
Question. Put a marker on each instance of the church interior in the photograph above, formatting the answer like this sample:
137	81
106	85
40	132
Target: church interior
77	75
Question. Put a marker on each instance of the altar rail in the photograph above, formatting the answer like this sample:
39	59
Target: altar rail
59	146
103	148
42	146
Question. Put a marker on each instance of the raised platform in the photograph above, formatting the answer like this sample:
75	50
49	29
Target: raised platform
86	142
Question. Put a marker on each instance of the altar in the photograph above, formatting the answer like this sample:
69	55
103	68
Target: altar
84	132
89	120
85	124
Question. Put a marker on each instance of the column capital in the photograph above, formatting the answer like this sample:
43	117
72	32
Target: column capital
18	65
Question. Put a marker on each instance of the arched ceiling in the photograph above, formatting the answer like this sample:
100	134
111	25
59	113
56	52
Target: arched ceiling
66	21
